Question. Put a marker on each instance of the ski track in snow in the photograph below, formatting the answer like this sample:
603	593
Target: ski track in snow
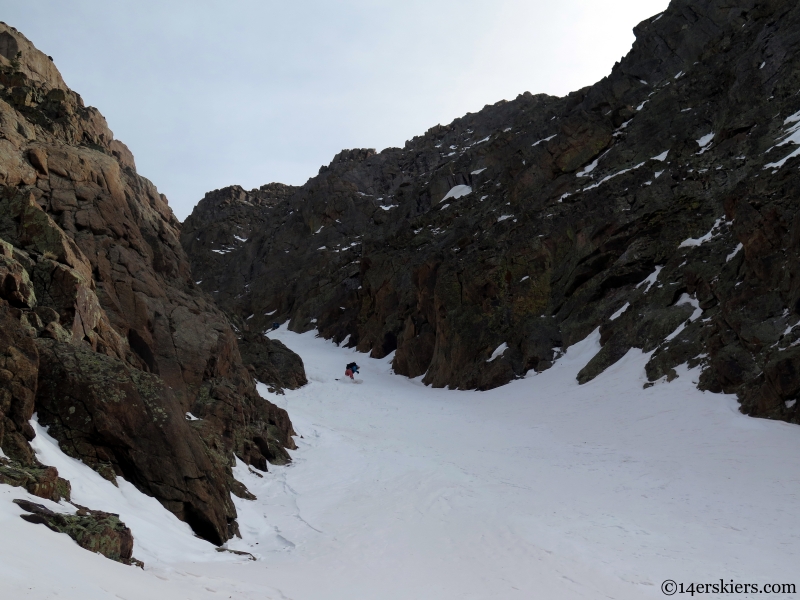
539	489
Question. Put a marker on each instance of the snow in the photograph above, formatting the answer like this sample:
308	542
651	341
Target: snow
478	172
607	178
661	157
504	217
390	207
457	192
651	279
691	242
191	417
625	307
588	169
498	352
159	537
547	139
269	314
220	251
241	239
704	141
542	488
679	75
524	278
686	299
320	229
792	136
734	253
641	106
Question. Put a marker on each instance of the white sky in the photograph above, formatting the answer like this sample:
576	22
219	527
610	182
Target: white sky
209	93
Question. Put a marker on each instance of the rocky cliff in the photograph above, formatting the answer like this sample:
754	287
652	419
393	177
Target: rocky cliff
104	333
659	205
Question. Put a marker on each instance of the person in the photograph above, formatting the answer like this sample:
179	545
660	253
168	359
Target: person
352	369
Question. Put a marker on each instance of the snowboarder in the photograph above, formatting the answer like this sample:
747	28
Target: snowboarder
352	369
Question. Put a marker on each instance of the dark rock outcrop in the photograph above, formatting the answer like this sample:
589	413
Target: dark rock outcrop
231	217
272	361
669	187
93	530
104	332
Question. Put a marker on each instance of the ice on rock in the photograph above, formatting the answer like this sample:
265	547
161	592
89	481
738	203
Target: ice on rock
498	352
612	176
457	191
691	242
618	313
792	136
734	253
704	142
542	141
686	299
588	169
651	279
661	157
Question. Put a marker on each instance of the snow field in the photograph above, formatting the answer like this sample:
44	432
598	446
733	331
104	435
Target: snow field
539	489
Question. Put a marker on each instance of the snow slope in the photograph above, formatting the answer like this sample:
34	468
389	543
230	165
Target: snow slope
539	489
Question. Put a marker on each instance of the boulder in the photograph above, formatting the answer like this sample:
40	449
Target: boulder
93	530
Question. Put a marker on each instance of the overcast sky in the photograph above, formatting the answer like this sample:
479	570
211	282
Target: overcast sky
208	93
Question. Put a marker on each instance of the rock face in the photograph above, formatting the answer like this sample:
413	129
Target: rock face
663	196
230	218
104	332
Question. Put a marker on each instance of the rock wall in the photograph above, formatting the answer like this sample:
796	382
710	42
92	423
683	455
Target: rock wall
662	196
104	332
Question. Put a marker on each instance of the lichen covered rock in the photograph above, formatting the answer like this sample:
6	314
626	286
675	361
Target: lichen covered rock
93	530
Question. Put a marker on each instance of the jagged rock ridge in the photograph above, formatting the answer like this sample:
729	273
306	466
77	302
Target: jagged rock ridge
104	333
663	196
